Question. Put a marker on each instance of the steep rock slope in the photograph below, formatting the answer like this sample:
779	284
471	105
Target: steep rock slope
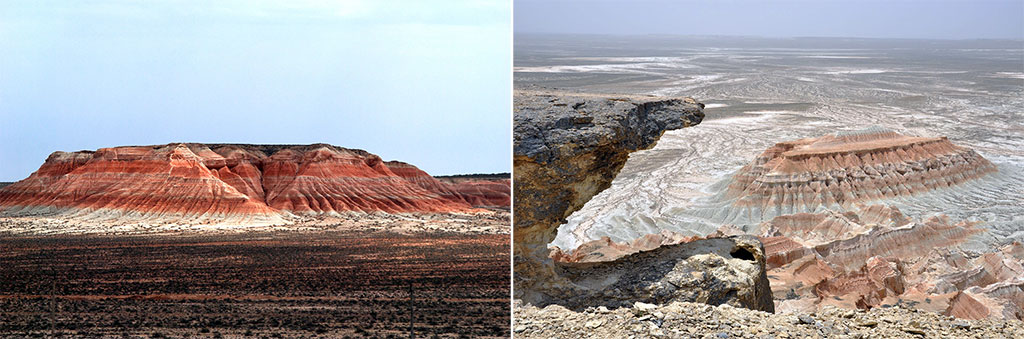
567	147
224	183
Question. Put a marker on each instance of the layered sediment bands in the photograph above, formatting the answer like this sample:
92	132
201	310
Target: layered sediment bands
713	271
605	249
422	179
479	190
840	259
223	183
853	249
485	192
838	171
567	148
166	182
326	180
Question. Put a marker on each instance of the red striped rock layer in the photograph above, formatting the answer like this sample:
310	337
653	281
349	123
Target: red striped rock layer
477	190
198	183
852	250
169	182
878	256
484	190
841	170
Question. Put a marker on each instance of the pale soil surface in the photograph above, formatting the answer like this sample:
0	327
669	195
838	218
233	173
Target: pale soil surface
494	221
689	320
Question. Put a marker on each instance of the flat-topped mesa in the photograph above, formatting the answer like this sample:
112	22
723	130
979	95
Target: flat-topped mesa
137	182
843	169
220	183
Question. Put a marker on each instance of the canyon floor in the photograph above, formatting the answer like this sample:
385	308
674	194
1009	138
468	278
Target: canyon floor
757	93
323	279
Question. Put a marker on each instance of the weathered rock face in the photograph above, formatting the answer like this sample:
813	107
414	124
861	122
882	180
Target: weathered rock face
713	271
197	183
567	148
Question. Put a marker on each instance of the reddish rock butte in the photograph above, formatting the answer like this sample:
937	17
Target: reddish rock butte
223	183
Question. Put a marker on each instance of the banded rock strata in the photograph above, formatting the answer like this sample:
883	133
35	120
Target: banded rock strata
842	170
890	262
484	190
226	183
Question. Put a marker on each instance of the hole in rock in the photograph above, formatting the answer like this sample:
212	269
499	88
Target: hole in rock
742	253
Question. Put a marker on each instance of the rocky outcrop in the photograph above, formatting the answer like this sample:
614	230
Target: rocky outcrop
224	183
567	148
712	271
695	320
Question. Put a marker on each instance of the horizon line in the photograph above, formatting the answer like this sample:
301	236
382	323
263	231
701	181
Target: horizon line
1021	39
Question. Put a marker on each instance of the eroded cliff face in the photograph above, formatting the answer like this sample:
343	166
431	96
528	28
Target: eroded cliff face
729	270
567	148
851	261
225	183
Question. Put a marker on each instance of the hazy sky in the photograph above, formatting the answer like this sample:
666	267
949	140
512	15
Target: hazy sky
426	82
931	19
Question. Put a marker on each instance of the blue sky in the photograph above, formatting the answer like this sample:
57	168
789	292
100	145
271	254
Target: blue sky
927	19
423	82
